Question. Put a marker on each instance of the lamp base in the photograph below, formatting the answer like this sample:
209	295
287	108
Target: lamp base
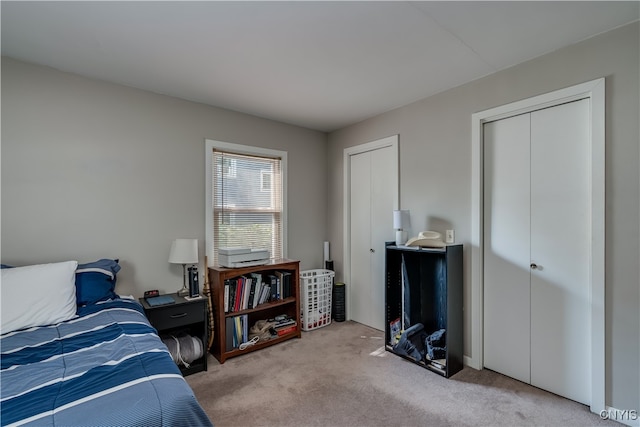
184	291
400	238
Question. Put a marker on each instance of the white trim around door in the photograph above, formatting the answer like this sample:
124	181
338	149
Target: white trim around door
394	169
595	91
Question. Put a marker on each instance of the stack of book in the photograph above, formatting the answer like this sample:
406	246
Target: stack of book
284	325
249	291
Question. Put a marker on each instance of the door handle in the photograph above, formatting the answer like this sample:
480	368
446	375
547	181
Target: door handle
372	250
535	266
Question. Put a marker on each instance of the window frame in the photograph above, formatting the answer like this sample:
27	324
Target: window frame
210	145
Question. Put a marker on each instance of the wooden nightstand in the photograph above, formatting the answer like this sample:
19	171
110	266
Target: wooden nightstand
184	316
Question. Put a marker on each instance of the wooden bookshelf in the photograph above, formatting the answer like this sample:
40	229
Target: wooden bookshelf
289	306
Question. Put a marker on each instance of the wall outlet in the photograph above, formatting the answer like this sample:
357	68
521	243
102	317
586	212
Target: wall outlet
449	236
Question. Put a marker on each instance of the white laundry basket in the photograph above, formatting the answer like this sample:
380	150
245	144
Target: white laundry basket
315	305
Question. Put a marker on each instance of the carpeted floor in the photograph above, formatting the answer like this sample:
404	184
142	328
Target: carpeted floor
340	375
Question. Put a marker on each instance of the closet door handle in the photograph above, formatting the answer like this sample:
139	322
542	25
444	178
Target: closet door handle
534	266
372	250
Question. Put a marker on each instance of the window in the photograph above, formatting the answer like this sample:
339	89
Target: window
265	179
245	198
229	168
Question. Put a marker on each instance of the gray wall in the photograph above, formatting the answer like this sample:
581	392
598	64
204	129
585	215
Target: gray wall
435	175
92	169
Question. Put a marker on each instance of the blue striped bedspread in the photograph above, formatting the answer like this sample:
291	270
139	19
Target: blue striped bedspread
107	367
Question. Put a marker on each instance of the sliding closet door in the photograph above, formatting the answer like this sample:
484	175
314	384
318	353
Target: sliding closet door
560	242
507	312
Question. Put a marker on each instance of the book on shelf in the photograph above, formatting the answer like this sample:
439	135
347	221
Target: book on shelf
257	277
226	296
283	323
245	328
273	280
264	293
239	290
246	292
284	281
280	277
229	332
287	284
237	336
242	283
233	287
282	320
284	330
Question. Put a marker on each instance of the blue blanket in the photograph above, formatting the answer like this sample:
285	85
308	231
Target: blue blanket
105	367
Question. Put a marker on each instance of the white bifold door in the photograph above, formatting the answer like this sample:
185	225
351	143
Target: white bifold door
373	193
536	248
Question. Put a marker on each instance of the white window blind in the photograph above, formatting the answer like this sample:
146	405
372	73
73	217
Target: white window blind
247	202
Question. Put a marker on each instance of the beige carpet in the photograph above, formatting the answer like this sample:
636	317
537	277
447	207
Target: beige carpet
340	375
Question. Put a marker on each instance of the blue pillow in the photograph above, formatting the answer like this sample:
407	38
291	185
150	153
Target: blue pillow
6	266
96	281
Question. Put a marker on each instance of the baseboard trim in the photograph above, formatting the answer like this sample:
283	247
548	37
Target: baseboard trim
471	362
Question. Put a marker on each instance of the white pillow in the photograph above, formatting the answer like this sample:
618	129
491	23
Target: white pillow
37	295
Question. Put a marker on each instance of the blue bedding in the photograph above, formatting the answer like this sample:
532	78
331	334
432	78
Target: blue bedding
105	367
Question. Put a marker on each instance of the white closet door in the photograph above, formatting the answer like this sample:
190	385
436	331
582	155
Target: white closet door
383	194
360	303
506	247
536	252
560	242
372	204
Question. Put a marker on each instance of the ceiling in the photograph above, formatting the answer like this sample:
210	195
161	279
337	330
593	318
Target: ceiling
320	65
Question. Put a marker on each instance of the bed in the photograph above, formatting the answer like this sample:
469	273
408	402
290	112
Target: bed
98	363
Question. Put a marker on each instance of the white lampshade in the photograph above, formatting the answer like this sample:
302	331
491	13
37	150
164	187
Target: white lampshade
399	219
184	251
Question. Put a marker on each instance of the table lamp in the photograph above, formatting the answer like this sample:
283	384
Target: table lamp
184	251
400	217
